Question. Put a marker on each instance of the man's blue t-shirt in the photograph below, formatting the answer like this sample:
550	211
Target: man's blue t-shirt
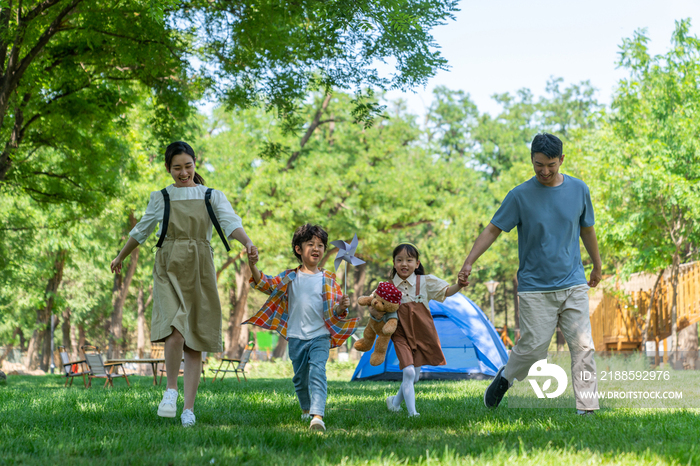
549	221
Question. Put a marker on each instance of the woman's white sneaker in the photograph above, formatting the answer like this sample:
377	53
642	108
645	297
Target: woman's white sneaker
187	418
168	407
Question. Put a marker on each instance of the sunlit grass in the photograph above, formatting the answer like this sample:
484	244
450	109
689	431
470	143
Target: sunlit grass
258	422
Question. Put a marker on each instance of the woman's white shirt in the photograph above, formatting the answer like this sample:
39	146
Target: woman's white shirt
227	218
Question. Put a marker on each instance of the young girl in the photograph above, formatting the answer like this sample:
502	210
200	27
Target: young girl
186	308
415	339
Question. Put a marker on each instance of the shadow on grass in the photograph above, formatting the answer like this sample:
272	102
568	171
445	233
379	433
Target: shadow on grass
258	422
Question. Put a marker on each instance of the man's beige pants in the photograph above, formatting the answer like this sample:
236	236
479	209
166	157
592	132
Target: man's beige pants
540	313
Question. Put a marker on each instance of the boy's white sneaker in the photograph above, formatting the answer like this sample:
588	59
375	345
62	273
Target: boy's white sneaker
168	407
187	418
305	416
317	425
390	404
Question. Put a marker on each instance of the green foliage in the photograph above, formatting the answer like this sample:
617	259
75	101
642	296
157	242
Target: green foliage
70	72
276	52
648	156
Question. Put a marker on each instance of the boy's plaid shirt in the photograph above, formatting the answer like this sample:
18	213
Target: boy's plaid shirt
273	315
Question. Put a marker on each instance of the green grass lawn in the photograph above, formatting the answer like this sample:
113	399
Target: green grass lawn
258	422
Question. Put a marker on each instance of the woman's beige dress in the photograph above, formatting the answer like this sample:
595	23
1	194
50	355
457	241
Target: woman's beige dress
184	280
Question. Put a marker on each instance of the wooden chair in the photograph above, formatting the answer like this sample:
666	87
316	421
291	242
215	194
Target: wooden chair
100	370
157	351
72	368
239	364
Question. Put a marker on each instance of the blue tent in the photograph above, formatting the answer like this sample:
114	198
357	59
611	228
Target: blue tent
472	348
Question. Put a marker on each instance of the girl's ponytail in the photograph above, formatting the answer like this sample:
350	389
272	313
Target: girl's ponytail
180	147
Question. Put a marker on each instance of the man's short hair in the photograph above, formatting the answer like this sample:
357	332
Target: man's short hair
547	144
304	233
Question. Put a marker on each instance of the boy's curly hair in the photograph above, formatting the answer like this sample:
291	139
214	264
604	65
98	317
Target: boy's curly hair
304	233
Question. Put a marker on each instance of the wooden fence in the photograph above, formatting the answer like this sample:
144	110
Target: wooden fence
618	319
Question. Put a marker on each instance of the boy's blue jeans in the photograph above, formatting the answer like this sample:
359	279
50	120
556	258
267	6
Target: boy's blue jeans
309	358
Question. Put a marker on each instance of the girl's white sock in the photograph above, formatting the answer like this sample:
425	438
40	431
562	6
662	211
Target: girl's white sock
406	391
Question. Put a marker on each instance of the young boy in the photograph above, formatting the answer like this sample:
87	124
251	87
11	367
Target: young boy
307	308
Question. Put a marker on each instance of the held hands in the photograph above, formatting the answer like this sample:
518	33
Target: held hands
116	265
252	252
463	276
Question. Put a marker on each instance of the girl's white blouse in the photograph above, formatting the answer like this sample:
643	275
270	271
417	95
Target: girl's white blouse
431	288
227	218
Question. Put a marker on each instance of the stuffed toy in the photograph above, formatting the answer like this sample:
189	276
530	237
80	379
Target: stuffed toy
383	302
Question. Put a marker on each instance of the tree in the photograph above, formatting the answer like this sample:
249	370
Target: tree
497	149
69	72
450	123
76	61
649	158
378	182
277	52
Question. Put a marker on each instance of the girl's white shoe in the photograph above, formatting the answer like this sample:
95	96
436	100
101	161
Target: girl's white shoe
168	407
187	418
390	404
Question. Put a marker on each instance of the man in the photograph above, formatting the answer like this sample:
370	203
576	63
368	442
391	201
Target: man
551	211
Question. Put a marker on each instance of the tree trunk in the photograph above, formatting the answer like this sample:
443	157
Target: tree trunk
141	307
309	131
675	269
238	304
75	346
22	340
647	318
119	292
65	329
81	337
280	348
32	358
244	337
39	351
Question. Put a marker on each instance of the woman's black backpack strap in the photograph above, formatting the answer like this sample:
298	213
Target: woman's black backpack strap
207	201
166	217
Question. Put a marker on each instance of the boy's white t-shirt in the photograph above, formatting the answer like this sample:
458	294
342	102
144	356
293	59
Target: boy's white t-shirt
306	307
